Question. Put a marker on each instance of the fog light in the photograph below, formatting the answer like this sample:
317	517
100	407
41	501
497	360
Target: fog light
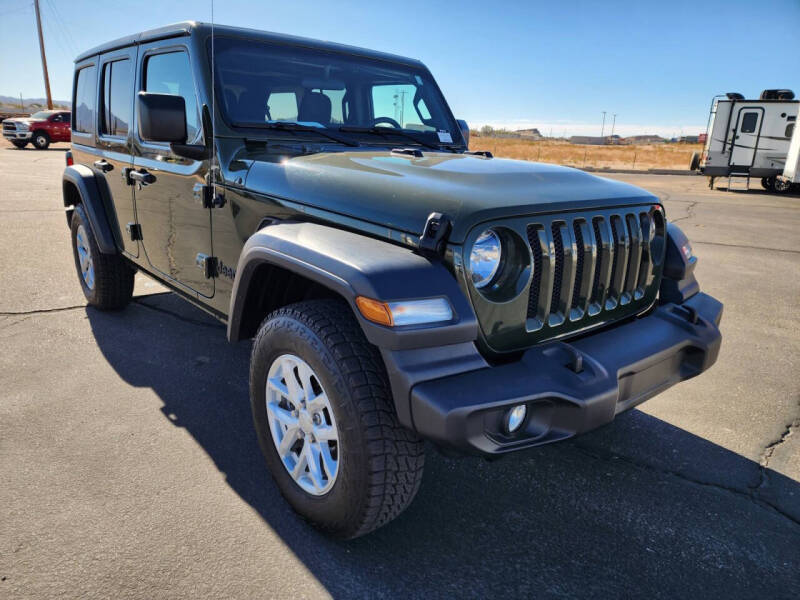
515	418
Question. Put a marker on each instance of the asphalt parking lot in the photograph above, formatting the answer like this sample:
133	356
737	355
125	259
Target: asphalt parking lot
129	467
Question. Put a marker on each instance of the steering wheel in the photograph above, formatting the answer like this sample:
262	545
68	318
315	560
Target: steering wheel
388	120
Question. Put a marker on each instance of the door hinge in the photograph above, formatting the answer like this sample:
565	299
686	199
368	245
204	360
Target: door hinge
208	264
207	197
134	230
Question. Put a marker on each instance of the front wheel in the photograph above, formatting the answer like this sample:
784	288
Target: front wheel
41	140
326	422
106	279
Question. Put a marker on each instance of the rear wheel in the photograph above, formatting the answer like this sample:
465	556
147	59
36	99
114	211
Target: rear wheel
41	140
326	422
106	279
781	186
20	143
766	183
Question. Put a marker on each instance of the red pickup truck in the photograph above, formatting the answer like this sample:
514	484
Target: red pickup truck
40	128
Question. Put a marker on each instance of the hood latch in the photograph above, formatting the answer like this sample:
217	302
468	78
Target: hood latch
434	235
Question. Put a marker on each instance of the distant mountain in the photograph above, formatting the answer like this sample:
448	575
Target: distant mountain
12	103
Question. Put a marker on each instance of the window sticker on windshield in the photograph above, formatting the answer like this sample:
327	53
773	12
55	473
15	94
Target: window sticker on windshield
445	137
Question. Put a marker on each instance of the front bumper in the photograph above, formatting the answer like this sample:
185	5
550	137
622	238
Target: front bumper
17	135
620	368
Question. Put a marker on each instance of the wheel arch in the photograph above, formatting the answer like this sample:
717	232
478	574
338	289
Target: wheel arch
337	263
79	185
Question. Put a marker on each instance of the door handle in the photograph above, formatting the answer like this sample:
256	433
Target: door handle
141	177
103	165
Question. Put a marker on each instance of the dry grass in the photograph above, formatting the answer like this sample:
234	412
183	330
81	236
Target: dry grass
647	156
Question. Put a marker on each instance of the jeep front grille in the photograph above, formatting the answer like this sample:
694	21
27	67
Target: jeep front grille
590	268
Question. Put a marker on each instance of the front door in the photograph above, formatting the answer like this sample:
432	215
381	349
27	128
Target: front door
175	228
745	136
114	132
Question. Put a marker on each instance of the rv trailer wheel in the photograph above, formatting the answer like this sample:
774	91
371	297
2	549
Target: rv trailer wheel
780	186
766	183
694	163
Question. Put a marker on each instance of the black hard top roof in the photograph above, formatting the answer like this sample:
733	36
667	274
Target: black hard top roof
187	28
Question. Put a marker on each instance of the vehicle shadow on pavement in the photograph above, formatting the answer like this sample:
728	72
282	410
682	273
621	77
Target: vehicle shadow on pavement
638	508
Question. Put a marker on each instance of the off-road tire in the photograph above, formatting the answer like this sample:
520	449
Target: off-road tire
41	140
20	143
113	276
380	461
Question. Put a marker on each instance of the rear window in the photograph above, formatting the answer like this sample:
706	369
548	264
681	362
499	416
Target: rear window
115	111
749	122
84	101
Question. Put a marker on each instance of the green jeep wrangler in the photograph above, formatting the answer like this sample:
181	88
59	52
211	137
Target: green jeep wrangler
322	200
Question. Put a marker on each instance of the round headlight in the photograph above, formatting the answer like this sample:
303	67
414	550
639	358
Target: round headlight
484	260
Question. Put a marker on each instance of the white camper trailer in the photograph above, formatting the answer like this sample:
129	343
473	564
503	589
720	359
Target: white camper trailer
791	172
749	138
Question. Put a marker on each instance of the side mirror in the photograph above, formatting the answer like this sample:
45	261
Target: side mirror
462	125
162	118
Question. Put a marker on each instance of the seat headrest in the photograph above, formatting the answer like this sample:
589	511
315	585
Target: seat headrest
315	107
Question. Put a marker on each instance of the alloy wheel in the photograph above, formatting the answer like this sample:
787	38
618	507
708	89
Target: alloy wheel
302	424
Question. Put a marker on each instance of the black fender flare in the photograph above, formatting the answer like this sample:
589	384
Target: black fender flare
351	265
96	202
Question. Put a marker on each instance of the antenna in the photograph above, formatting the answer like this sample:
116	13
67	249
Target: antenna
213	165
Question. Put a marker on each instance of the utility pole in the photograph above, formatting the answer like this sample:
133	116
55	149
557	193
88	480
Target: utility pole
44	59
613	122
603	128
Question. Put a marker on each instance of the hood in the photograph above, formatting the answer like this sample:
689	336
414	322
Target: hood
27	120
399	191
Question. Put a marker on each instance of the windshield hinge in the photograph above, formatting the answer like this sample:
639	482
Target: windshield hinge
434	235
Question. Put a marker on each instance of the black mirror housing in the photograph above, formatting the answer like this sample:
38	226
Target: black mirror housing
462	125
162	118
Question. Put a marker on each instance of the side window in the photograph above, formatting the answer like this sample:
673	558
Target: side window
282	106
749	122
789	130
396	102
84	101
115	110
171	73
337	102
57	119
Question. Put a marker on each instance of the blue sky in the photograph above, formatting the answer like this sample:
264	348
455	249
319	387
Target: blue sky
552	65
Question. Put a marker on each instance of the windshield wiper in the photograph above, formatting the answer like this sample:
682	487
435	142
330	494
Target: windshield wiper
291	126
384	131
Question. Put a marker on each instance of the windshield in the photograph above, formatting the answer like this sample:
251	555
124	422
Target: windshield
42	114
260	84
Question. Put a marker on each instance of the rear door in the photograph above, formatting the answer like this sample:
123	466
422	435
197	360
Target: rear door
176	229
60	124
114	131
746	135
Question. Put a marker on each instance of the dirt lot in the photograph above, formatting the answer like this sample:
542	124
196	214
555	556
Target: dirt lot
643	156
129	467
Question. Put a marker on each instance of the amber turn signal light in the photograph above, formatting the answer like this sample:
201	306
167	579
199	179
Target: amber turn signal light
374	310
